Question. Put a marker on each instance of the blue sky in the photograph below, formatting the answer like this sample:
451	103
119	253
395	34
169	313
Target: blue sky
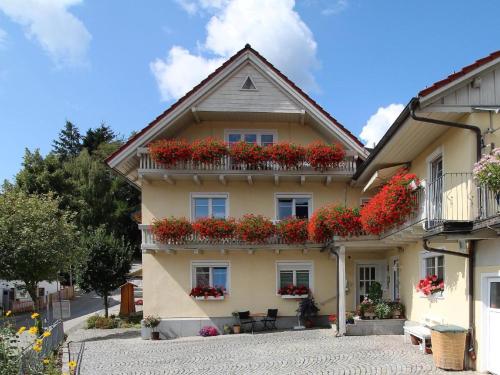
90	61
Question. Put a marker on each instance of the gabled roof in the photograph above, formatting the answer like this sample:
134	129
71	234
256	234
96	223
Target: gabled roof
198	87
453	77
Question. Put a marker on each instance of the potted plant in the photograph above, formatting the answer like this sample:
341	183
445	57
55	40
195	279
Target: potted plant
236	325
487	172
333	321
382	310
307	310
367	308
152	321
397	309
209	331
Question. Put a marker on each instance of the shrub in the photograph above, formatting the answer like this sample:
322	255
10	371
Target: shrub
383	310
172	230
91	320
209	331
152	321
292	230
246	153
209	150
286	154
391	205
170	151
375	292
255	228
307	308
322	156
106	323
333	220
215	229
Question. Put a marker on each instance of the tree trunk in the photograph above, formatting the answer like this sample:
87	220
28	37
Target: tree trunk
106	304
32	290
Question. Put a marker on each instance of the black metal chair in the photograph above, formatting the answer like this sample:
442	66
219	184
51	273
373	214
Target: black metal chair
269	321
246	320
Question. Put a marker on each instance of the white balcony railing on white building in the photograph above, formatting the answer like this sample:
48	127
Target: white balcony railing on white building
225	164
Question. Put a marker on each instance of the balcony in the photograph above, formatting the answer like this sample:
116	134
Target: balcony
226	169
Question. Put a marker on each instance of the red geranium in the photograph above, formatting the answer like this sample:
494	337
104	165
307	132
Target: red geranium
170	151
207	291
255	228
246	153
286	154
292	290
391	205
216	229
430	285
209	150
322	156
172	230
330	221
292	230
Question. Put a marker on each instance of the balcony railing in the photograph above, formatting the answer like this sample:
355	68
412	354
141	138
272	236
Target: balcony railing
226	165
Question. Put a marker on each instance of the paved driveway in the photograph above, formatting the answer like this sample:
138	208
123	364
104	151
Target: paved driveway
304	352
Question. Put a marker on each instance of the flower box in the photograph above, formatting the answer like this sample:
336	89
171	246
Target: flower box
294	296
209	298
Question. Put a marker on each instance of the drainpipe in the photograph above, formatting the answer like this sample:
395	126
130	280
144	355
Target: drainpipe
470	255
475	129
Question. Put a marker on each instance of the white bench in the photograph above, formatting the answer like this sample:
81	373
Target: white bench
421	330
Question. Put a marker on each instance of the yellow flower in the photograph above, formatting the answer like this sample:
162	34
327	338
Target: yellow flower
46	334
35	315
37	348
8	313
39	341
46	361
21	330
33	330
72	364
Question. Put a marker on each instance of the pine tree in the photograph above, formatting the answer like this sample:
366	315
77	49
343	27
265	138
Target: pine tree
96	137
68	145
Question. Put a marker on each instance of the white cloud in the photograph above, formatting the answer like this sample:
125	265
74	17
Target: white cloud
335	7
378	123
272	27
63	36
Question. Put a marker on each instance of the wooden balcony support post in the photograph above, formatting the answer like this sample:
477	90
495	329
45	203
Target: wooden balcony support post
341	296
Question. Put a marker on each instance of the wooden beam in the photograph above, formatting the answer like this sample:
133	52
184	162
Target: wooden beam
250	180
276	179
197	179
223	251
170	251
169	179
251	251
302	180
302	117
277	251
222	179
328	180
197	251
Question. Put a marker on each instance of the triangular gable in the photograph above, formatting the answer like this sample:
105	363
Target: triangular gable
204	87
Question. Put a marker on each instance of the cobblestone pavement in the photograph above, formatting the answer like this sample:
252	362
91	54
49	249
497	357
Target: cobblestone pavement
301	352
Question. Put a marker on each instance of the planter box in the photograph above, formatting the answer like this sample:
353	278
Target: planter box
294	296
375	327
209	298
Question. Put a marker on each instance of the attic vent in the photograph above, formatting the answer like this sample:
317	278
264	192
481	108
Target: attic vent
248	85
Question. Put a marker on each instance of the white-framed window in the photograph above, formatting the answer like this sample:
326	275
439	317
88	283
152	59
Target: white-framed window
432	264
210	274
297	205
209	205
294	273
260	137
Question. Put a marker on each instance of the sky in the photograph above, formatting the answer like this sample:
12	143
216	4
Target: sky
123	62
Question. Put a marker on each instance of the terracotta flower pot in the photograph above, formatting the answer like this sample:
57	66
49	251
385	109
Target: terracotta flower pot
396	314
236	329
155	335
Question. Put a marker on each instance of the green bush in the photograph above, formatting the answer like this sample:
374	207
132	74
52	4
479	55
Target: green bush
134	318
106	323
375	292
383	310
91	321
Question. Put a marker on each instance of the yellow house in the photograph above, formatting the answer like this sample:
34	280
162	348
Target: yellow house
439	136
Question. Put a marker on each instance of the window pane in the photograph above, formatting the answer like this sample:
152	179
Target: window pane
251	138
286	278
202	276
495	295
373	273
200	207
285	208
302	208
266	139
232	138
219	277
430	266
219	207
440	260
302	278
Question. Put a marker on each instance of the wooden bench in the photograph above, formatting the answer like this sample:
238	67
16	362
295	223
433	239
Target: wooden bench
421	330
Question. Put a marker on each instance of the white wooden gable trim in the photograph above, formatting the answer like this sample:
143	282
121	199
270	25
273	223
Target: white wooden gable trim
207	88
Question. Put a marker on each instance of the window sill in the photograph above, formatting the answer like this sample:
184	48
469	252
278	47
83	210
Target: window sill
436	296
294	296
209	298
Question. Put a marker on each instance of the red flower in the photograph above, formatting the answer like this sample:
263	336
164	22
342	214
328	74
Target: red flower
391	205
246	153
330	221
255	228
322	156
170	151
216	229
287	155
292	290
207	291
293	230
209	150
172	230
430	285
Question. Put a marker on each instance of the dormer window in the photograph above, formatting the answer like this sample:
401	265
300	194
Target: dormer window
248	84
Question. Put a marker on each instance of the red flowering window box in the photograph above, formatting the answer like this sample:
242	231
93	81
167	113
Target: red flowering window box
292	230
202	293
327	222
430	286
215	229
322	156
255	229
172	230
170	151
294	292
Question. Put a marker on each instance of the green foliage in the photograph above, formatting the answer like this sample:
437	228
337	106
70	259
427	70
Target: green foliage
37	239
383	310
108	261
307	308
375	291
69	143
9	355
95	137
90	323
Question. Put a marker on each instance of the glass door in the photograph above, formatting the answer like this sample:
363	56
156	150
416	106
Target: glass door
435	198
